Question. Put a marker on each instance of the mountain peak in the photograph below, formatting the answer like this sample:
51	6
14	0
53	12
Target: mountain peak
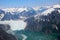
56	6
14	9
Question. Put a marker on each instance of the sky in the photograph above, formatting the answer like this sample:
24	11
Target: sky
27	3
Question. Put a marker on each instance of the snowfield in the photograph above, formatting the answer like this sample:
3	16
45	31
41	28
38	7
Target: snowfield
15	25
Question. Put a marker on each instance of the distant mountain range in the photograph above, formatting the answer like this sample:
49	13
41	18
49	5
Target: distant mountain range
24	13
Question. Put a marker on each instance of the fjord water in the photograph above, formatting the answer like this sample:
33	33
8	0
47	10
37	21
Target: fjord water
27	35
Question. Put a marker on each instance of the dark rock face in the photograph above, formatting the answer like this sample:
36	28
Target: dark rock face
4	35
45	23
31	24
7	16
29	13
58	38
2	13
5	27
15	16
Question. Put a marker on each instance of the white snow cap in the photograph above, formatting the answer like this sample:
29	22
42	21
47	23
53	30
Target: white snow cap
56	6
51	9
36	8
48	11
14	9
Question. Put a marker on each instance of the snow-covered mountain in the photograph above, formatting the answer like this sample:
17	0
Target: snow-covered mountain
48	10
48	20
17	13
14	9
55	7
23	13
36	19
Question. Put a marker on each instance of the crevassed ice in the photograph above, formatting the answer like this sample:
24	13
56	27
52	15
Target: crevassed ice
15	25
